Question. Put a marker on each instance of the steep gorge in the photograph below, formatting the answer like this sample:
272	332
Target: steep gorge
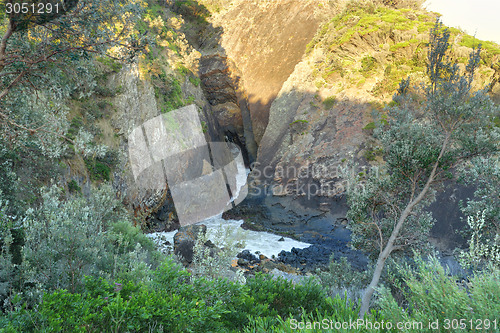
293	84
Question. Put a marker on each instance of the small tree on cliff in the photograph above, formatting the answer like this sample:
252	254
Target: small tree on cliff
424	138
45	53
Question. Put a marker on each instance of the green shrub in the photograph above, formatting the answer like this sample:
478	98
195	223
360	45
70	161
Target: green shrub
367	64
118	307
299	121
284	297
183	70
97	169
66	240
110	63
432	294
337	311
168	91
329	102
74	127
194	80
104	91
369	126
73	186
341	279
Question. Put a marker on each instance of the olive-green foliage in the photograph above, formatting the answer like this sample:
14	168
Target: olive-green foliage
369	126
432	294
100	167
56	63
75	125
341	279
65	240
380	20
284	298
371	154
110	63
120	307
337	311
194	80
442	117
73	186
483	212
299	121
97	169
329	102
193	11
168	92
9	186
367	63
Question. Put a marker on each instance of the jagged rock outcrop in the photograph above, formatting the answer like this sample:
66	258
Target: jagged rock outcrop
220	91
266	40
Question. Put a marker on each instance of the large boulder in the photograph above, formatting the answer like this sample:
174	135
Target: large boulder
185	239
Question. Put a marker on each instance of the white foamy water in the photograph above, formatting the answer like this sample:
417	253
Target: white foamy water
221	232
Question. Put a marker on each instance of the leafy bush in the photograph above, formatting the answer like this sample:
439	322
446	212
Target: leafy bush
97	169
64	241
432	294
194	80
168	91
483	212
73	186
215	262
336	312
74	127
110	63
119	307
104	91
172	301
329	102
284	297
368	63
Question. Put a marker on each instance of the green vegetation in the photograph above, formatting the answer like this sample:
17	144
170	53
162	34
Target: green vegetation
369	126
371	154
380	27
111	64
73	186
100	167
429	132
329	102
195	80
88	267
404	44
299	121
168	92
77	262
435	295
367	64
97	169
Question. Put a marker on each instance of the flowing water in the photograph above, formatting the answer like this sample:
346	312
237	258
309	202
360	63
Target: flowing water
222	232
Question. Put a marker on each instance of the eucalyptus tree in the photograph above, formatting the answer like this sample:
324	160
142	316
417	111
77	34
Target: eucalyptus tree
429	132
45	53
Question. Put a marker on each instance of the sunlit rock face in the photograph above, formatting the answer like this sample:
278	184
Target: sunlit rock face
266	39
